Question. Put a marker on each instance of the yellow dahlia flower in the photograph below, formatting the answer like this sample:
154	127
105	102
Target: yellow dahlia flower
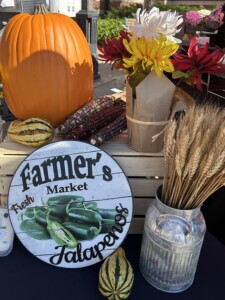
152	54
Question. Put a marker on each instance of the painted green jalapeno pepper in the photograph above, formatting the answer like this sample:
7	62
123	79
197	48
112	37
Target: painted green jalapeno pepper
90	204
58	210
83	204
85	215
60	234
41	217
34	230
106	213
107	225
82	231
30	211
58	204
64	199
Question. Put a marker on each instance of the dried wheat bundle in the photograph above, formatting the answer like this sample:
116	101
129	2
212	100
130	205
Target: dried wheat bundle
194	151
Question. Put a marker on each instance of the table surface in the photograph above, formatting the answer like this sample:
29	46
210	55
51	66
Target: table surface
23	276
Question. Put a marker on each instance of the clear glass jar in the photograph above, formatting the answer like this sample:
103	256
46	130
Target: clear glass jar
171	245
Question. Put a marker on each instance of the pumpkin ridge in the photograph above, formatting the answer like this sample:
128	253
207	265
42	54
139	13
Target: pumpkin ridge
11	23
67	54
63	25
79	33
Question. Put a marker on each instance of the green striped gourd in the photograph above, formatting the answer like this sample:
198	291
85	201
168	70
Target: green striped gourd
33	132
116	276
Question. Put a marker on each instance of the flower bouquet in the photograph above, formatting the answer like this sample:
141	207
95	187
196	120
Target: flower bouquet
143	52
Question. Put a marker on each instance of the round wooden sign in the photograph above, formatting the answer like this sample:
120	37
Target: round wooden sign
70	204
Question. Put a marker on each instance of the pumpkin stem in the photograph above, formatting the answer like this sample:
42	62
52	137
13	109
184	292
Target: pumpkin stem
40	9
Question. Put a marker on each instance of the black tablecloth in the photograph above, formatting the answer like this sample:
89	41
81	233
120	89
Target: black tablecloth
23	276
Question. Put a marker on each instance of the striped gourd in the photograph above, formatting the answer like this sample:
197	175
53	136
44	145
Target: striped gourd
33	132
116	276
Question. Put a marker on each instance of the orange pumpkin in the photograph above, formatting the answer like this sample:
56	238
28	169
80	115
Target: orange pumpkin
46	66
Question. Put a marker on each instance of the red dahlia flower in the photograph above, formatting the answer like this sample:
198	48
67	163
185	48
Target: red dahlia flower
113	51
197	61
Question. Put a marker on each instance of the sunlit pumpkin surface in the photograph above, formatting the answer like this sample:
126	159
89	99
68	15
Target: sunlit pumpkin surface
46	66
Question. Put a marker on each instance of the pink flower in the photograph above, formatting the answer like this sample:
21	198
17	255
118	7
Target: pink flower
192	17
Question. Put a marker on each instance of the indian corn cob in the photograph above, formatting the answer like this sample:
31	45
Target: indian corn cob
95	122
78	133
85	112
109	131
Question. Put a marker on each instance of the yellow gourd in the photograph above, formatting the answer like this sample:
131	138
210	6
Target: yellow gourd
33	132
116	276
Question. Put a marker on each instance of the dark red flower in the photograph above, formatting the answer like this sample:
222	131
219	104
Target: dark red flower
197	61
113	51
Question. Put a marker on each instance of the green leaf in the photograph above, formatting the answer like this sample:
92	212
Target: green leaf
136	78
179	74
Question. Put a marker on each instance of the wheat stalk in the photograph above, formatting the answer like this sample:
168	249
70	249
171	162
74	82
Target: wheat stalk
168	151
182	154
194	150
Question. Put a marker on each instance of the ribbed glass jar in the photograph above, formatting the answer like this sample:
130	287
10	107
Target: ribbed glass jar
171	245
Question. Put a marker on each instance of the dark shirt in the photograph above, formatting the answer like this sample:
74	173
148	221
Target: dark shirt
220	37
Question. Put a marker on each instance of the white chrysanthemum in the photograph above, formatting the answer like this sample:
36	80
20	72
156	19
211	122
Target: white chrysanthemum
155	22
204	12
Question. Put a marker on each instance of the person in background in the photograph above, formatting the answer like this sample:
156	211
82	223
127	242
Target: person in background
220	37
